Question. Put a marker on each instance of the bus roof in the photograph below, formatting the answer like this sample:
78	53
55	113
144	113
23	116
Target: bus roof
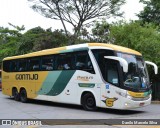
116	48
78	46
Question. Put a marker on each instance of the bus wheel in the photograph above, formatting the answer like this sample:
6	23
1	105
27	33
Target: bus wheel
23	95
88	102
15	94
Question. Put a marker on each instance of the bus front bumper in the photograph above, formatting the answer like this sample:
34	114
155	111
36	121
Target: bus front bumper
131	104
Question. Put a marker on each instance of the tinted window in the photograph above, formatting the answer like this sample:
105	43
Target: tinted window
6	66
47	63
64	62
14	66
106	67
83	62
22	65
34	64
100	53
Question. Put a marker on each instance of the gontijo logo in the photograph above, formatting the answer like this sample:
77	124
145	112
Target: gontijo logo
26	77
109	101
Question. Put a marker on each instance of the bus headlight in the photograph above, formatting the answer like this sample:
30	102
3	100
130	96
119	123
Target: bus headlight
124	95
126	104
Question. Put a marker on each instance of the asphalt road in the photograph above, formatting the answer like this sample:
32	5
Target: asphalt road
35	109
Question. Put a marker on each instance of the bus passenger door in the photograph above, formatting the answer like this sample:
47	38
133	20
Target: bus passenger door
111	76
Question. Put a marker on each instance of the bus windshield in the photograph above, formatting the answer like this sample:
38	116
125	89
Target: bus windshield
137	75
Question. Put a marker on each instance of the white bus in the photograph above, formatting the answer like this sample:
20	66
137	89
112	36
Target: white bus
92	75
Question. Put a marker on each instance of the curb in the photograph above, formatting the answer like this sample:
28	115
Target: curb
155	102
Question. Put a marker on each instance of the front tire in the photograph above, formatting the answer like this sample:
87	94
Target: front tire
23	96
88	102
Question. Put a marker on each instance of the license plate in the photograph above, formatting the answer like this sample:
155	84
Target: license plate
141	104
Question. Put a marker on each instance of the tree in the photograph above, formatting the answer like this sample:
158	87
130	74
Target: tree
151	12
78	13
8	42
18	28
144	39
12	42
37	39
100	31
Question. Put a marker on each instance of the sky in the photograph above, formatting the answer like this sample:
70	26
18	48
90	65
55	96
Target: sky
18	12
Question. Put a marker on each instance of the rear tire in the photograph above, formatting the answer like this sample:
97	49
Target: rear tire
88	102
15	94
23	96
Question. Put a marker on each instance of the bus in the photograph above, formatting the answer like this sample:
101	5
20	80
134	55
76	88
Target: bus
92	75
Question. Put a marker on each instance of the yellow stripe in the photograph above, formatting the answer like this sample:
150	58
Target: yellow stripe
116	48
136	94
57	50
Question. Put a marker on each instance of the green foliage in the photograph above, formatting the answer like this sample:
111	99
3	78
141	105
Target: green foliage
100	31
151	12
144	39
8	40
135	35
28	40
12	42
38	39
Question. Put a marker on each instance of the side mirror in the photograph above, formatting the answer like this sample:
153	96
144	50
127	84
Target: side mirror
122	61
154	65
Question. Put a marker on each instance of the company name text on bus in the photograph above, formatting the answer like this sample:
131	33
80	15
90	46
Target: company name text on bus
26	77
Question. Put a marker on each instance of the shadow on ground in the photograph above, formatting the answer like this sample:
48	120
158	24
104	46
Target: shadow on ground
78	107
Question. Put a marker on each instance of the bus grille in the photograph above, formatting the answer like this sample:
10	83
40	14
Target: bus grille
140	99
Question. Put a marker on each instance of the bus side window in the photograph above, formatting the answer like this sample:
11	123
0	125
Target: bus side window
47	63
34	64
14	66
6	66
83	62
22	65
99	56
64	61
